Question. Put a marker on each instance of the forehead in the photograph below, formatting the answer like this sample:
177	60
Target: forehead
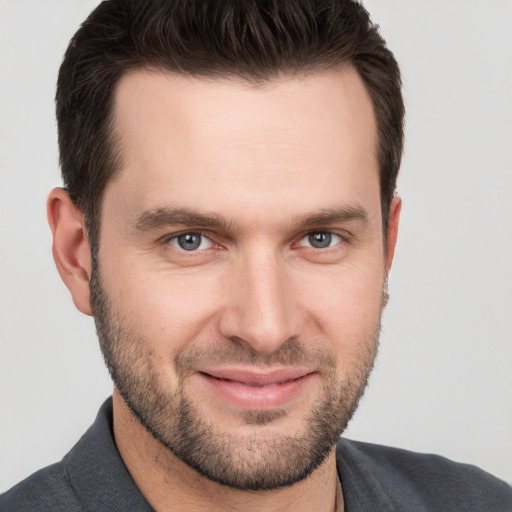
182	138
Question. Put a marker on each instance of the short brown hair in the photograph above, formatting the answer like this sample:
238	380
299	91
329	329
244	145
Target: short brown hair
255	40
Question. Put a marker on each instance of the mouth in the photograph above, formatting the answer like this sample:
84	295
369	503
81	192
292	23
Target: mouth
251	389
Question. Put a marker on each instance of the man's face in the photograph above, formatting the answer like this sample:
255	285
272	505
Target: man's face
241	266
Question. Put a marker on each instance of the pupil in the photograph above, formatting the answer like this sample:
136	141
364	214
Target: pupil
189	241
320	240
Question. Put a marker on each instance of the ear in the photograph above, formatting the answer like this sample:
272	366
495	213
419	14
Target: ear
392	234
70	248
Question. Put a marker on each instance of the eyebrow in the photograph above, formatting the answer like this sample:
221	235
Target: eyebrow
348	213
162	217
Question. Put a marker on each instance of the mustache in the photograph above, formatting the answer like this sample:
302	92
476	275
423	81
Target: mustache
292	352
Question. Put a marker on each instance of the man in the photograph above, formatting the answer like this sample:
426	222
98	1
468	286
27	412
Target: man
229	220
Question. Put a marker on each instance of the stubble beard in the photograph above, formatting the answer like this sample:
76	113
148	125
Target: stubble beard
261	461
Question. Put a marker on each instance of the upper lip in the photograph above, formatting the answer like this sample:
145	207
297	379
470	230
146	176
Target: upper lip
257	377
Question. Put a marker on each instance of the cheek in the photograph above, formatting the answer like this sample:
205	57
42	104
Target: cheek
166	309
346	304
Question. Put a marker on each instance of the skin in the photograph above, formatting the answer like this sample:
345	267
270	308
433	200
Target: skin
270	160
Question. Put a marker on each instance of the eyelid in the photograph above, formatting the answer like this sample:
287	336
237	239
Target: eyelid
167	239
343	237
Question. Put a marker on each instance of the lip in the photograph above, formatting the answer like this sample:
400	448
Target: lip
253	389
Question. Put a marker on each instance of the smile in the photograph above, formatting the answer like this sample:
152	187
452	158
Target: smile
252	390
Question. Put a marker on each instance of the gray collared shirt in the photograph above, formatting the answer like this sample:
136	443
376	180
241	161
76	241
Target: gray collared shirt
93	477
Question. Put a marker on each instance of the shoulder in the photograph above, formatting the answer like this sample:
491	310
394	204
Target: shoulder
48	489
429	482
92	476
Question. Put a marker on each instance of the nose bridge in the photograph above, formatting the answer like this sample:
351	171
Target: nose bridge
261	311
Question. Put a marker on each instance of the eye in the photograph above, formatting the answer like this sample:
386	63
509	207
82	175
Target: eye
191	242
320	240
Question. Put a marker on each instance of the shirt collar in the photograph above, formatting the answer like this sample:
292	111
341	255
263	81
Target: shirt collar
97	473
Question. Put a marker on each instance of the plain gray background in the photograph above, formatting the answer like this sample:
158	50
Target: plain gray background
443	381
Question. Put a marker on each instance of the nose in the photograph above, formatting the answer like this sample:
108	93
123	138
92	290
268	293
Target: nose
262	310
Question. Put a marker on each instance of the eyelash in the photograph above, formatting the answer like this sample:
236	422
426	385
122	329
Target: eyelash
169	239
331	234
342	239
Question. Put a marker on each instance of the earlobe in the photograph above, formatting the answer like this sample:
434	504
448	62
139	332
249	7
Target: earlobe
392	234
70	248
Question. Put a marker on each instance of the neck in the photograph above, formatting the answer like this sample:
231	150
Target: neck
169	484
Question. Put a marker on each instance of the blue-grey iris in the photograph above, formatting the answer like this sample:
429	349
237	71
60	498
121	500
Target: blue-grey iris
189	241
320	240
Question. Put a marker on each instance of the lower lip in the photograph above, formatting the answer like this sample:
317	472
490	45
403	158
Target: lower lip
266	397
